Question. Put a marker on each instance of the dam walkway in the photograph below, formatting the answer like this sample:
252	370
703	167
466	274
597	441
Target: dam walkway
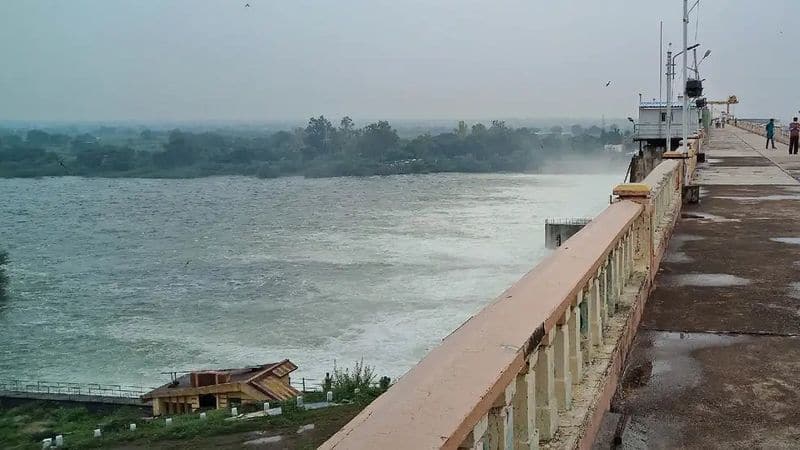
660	324
716	359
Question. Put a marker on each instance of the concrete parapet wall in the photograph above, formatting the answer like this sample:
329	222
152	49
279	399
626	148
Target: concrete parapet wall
539	364
781	134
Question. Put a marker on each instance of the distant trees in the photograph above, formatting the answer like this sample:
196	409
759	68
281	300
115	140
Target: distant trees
41	138
107	157
378	140
318	149
318	137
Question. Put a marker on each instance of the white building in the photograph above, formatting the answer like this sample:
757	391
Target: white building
652	124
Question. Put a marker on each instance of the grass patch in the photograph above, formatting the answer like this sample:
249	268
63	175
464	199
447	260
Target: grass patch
24	427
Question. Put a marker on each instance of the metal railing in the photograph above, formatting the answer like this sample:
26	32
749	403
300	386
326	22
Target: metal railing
567	220
781	133
72	389
656	131
508	378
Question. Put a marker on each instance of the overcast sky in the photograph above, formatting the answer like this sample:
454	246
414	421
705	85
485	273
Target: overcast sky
413	59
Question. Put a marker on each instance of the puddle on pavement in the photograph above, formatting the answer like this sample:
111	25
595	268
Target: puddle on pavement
704	280
675	254
787	240
794	290
670	363
761	199
686	238
706	218
677	257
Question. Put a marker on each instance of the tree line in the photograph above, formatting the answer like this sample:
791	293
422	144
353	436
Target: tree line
320	149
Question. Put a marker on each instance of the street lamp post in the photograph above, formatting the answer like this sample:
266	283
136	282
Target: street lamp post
670	76
685	74
669	99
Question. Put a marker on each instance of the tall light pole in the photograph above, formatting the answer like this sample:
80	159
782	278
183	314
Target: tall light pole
669	98
685	75
670	75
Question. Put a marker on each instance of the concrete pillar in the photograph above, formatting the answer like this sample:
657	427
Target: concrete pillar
546	405
619	282
475	439
526	436
630	251
602	293
575	354
612	271
622	257
626	243
596	318
562	360
628	258
611	302
641	194
642	244
501	420
586	329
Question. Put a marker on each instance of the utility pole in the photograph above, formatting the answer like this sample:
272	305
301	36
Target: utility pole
660	53
660	74
669	99
685	76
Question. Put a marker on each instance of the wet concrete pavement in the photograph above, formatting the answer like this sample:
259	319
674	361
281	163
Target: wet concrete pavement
716	360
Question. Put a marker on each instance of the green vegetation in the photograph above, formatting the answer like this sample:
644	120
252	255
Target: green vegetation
24	427
357	384
3	275
318	150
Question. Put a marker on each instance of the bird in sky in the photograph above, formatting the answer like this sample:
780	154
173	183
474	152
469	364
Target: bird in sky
608	84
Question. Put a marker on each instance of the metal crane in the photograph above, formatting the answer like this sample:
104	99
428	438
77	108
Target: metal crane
732	100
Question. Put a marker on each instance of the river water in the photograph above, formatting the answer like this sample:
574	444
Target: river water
118	280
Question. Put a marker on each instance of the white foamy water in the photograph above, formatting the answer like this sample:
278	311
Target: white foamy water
115	281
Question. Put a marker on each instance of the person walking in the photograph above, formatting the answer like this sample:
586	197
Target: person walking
770	133
794	135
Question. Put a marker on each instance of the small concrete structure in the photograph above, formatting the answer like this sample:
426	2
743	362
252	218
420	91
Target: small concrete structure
557	231
224	388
